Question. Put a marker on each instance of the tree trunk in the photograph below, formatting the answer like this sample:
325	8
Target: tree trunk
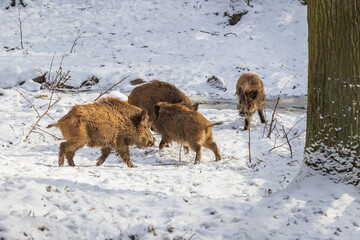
333	114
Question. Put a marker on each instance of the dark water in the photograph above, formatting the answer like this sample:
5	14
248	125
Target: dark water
292	104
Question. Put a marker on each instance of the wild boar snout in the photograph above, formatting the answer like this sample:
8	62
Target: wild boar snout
151	142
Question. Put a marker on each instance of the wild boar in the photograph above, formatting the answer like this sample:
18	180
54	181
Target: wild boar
109	124
250	91
147	95
176	122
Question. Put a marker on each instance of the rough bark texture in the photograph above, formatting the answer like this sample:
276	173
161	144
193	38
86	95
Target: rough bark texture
333	114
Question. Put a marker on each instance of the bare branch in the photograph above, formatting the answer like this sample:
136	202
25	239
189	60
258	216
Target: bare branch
45	113
103	93
20	22
287	139
28	101
296	136
295	124
273	114
249	144
55	137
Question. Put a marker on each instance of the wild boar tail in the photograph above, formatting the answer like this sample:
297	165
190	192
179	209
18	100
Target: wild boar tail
52	125
213	124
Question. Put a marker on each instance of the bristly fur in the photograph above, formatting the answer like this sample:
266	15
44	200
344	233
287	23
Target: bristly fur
250	91
109	124
176	122
147	95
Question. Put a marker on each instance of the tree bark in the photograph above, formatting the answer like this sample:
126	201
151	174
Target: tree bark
333	113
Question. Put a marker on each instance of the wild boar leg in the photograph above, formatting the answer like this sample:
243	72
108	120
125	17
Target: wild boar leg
124	153
197	148
261	115
212	146
186	149
68	149
62	154
105	152
247	121
70	158
164	142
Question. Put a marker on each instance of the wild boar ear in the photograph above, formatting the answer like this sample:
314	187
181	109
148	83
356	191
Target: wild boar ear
196	106
137	119
143	115
156	111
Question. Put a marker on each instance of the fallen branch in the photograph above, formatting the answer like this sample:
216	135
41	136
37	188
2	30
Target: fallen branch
211	33
103	93
230	33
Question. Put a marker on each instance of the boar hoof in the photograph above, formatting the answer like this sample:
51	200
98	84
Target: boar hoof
100	162
186	149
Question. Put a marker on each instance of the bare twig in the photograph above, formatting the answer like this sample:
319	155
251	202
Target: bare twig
249	144
295	124
269	106
211	33
287	139
33	106
103	93
230	33
271	128
61	77
296	136
143	45
265	127
20	24
40	117
192	236
42	130
78	35
180	153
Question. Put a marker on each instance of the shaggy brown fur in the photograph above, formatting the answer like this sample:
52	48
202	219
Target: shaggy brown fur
250	91
149	94
175	122
109	124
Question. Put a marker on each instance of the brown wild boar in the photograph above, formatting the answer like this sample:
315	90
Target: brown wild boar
175	122
109	124
250	91
147	95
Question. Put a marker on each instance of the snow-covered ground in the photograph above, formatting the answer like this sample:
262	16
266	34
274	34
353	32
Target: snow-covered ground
184	43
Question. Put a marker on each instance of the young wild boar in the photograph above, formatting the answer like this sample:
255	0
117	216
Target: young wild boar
109	124
175	122
250	91
147	95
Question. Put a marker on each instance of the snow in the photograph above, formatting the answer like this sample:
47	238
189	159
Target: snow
184	43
